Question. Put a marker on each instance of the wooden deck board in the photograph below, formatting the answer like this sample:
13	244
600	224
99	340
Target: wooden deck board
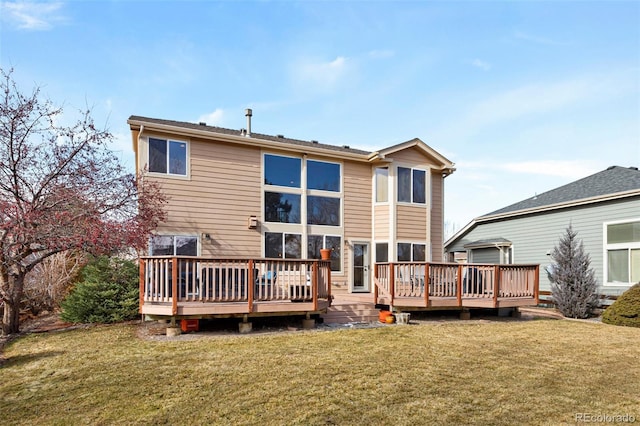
279	307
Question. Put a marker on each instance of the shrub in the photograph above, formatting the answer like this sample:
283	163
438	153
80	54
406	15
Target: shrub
49	282
626	310
573	282
108	292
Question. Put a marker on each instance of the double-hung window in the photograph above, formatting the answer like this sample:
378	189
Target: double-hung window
173	245
412	185
411	252
333	242
167	156
623	252
282	245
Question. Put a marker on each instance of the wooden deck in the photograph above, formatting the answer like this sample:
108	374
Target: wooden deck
424	285
197	287
186	286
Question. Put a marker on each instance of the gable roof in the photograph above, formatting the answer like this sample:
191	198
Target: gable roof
613	180
258	139
446	164
613	183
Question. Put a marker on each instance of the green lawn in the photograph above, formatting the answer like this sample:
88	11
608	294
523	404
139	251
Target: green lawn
502	372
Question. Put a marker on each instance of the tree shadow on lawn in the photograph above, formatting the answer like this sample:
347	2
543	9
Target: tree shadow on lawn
19	360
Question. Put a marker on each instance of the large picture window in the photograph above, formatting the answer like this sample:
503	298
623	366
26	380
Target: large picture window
167	156
173	245
412	185
323	211
282	171
323	176
281	207
317	242
623	252
302	198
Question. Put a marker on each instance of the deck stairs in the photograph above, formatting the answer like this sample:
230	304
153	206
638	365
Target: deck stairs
351	308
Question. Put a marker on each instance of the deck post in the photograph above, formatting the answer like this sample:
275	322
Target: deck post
174	286
141	269
496	285
375	283
536	285
426	285
314	284
392	283
459	285
329	283
251	285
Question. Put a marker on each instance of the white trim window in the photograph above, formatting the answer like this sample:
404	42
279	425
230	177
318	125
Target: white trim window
622	252
412	252
173	245
282	245
333	242
168	156
382	184
412	185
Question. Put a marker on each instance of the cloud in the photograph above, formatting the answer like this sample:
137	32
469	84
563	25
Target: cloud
321	75
214	118
539	40
486	170
570	169
381	54
478	63
32	16
532	99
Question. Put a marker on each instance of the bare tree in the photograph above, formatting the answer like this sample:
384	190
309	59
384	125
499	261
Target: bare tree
49	281
61	188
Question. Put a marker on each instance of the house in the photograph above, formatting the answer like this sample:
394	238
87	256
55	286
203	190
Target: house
255	208
603	208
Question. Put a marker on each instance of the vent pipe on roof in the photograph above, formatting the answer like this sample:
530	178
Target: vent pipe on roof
248	113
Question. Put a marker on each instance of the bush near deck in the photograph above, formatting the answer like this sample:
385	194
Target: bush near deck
108	292
626	310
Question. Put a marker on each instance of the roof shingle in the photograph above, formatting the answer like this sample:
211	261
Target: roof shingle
614	179
236	132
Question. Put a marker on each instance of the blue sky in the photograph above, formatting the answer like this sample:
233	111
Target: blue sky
522	96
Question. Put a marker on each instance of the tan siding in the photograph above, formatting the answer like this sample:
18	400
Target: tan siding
381	215
413	157
437	217
357	209
357	200
224	190
411	223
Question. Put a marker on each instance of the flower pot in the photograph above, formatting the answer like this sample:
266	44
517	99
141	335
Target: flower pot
383	315
325	254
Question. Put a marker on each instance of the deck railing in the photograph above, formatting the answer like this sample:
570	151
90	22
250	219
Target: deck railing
179	279
425	280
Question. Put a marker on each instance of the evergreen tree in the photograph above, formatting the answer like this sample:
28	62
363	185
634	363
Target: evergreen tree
573	282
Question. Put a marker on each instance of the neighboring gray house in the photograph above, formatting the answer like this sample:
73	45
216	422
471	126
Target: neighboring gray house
603	208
